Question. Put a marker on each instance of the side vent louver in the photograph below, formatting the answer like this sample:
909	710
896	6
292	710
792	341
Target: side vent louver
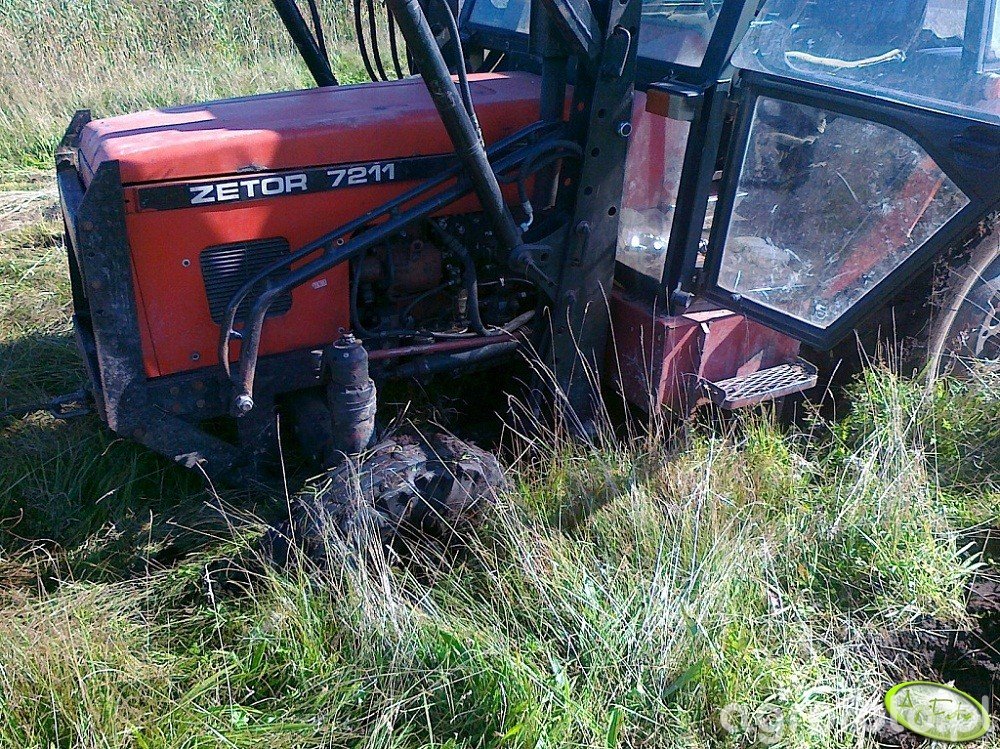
226	267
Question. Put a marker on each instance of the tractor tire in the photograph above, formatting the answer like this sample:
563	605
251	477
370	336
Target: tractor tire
410	487
965	334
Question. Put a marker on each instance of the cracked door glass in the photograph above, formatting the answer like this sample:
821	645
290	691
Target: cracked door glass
827	206
938	54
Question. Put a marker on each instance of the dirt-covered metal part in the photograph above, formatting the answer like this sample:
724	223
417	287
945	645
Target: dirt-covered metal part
350	395
428	486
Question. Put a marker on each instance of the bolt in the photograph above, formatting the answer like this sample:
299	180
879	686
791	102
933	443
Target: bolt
244	403
624	129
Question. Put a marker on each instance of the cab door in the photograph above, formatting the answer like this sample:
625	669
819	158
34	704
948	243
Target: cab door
867	142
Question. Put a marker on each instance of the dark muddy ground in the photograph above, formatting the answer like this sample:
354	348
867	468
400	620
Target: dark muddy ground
967	656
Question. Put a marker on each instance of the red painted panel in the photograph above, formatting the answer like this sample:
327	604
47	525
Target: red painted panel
658	359
294	129
273	132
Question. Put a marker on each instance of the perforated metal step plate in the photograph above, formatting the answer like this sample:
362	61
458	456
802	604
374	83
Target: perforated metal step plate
765	385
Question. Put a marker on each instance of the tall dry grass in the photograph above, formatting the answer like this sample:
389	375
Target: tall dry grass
115	56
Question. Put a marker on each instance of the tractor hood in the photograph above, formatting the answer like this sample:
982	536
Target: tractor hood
293	129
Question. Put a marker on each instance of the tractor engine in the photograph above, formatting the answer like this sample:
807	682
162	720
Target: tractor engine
171	212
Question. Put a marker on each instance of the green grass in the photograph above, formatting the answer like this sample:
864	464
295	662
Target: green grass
754	568
115	56
721	585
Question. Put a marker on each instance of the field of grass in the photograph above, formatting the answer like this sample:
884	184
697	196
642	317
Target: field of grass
114	56
706	585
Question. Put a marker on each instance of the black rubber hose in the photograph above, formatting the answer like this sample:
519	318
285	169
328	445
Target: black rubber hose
461	131
469	277
497	150
250	347
463	73
376	53
470	280
318	30
359	33
296	26
393	46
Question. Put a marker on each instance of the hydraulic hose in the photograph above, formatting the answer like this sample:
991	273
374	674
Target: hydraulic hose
373	30
468	147
393	46
318	29
463	73
325	242
469	277
359	33
250	350
305	42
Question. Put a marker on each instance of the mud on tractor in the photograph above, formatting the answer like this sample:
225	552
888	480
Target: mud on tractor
678	202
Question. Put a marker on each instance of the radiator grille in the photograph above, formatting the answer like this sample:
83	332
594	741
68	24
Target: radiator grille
226	267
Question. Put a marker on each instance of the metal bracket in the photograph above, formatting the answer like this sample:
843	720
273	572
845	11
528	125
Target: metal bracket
601	116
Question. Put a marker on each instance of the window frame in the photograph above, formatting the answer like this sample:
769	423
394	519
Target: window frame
935	132
734	18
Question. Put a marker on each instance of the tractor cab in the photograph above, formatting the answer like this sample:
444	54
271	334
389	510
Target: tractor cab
797	163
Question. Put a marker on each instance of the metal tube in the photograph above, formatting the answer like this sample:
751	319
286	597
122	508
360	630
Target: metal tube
440	347
429	61
450	362
250	349
535	130
305	42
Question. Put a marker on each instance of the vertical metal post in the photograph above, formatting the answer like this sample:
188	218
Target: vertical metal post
602	114
547	43
700	157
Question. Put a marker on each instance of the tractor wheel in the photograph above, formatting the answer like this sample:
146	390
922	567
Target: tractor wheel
405	488
966	333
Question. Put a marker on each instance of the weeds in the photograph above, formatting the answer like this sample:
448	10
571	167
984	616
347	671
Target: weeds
115	56
701	599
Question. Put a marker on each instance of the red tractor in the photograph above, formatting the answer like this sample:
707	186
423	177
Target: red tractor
661	199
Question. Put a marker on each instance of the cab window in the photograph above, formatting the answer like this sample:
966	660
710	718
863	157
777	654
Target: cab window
937	54
677	32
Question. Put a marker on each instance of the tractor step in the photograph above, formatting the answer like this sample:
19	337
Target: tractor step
764	385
